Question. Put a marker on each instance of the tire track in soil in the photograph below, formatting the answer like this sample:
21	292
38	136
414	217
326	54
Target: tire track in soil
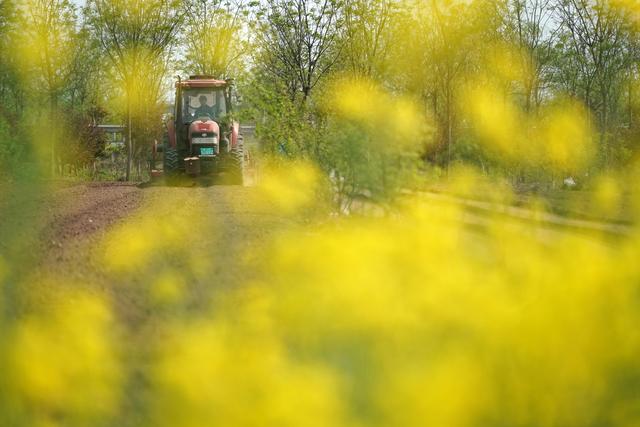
68	222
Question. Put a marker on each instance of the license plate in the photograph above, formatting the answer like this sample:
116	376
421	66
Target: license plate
206	151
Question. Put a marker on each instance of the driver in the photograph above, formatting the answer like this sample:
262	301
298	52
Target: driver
204	109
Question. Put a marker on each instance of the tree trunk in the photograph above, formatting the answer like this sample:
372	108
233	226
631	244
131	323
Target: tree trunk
129	145
449	100
52	107
603	130
630	103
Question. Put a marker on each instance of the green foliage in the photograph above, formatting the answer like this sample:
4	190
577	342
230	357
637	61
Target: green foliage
10	90
298	42
280	122
363	164
366	44
137	39
11	150
216	25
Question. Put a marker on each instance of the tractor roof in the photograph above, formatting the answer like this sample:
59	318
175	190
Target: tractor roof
201	82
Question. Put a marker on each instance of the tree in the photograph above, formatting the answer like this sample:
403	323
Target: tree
48	29
298	42
84	90
596	36
529	26
445	51
368	38
10	90
212	36
136	36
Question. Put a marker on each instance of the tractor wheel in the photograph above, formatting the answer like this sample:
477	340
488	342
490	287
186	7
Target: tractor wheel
170	164
235	166
170	160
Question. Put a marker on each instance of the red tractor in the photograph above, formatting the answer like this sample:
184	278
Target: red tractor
202	137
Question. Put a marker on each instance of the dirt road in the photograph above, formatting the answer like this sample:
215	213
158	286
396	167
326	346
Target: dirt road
123	240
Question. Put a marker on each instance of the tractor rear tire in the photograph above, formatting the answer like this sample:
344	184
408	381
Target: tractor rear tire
235	167
170	165
171	162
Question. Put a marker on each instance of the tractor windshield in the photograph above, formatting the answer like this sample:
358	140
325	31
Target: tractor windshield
204	102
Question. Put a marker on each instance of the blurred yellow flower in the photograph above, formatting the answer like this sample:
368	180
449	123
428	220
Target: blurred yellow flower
66	361
567	137
292	188
497	121
222	374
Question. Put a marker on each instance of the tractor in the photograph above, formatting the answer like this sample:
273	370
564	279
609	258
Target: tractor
202	138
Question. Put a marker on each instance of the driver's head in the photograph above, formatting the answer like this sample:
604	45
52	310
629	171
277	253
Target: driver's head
203	100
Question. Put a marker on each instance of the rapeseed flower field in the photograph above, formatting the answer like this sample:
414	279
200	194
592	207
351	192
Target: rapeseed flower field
399	259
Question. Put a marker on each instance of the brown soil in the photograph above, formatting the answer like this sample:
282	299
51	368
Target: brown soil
85	212
69	226
47	229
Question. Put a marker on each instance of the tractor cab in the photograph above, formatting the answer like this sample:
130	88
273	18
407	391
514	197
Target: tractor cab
202	96
197	103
